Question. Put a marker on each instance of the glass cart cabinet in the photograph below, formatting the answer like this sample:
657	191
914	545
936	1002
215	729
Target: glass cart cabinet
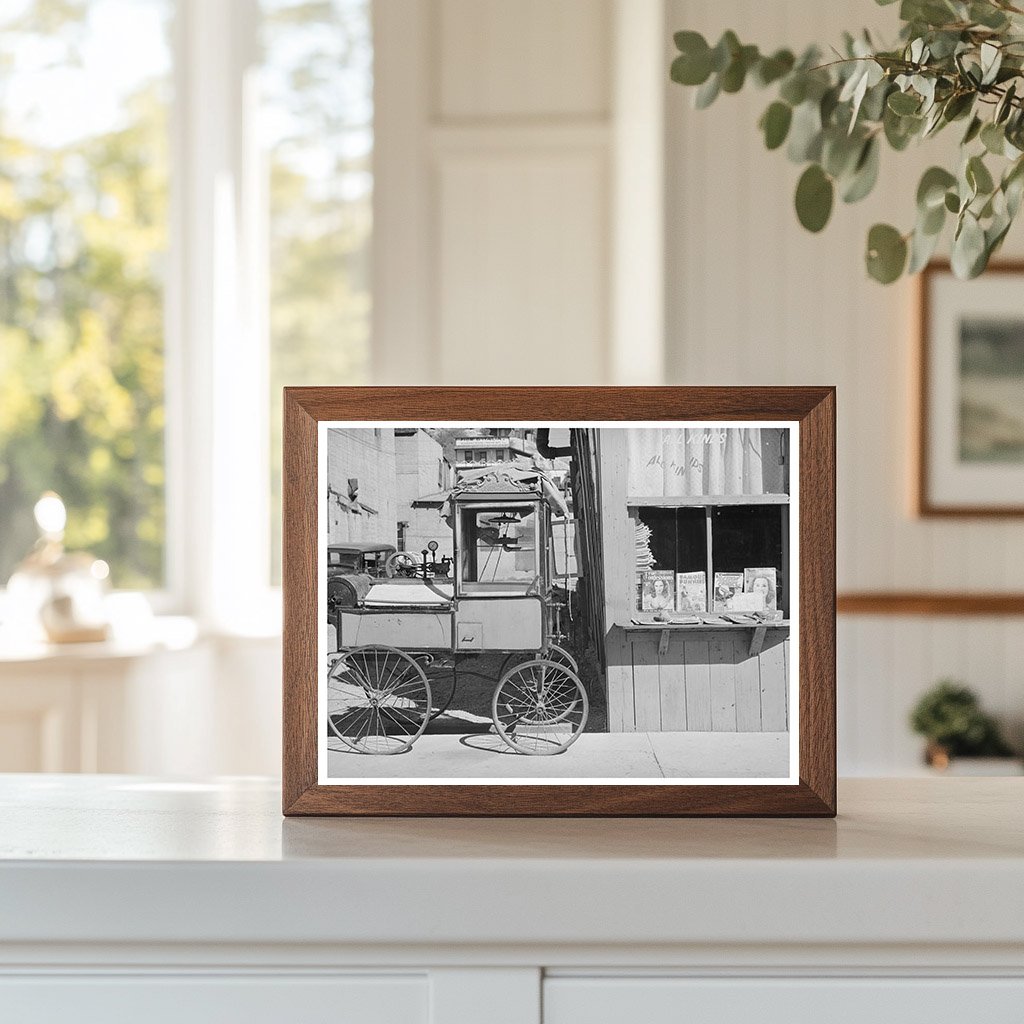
696	503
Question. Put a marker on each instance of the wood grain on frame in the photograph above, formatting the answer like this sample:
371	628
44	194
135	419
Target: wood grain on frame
923	504
929	603
812	407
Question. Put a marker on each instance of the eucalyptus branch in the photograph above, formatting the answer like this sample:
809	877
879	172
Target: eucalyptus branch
953	61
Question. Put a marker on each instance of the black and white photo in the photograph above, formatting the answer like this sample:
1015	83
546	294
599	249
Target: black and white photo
541	602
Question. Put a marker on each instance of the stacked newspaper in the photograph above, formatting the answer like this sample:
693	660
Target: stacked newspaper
642	536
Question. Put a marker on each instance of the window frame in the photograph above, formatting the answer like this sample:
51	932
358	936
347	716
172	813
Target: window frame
216	337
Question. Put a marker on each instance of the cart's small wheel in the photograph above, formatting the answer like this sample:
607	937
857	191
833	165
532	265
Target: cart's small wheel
540	707
378	700
561	656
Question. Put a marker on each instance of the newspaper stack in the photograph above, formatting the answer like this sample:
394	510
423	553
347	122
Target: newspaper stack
642	535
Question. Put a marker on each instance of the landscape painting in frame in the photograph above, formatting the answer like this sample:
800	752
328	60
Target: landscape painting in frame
972	393
536	603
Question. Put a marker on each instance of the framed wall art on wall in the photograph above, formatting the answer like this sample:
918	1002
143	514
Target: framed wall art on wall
970	445
559	601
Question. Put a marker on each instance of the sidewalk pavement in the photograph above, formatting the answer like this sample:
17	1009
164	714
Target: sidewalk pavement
595	755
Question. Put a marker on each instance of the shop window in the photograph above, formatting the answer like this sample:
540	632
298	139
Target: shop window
745	546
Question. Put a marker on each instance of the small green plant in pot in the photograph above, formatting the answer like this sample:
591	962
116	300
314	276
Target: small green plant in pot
950	717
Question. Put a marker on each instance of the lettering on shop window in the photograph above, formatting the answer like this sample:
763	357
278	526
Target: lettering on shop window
679	466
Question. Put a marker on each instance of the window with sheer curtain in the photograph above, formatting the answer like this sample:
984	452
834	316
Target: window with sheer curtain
95	153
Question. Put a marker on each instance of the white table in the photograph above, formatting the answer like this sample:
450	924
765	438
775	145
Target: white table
197	902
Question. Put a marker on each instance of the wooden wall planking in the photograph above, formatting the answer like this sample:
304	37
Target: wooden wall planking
697	662
673	695
751	298
706	683
646	686
748	695
723	683
772	664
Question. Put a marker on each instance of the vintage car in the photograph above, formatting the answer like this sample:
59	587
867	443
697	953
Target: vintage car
358	557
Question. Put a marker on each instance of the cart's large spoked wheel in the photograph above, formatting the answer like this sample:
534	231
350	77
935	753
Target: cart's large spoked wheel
378	700
539	707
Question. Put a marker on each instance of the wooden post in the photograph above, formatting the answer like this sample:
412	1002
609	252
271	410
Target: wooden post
619	572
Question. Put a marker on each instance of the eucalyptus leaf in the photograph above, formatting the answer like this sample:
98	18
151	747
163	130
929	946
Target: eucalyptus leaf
973	130
932	221
1005	105
987	15
922	247
771	69
840	152
707	93
993	138
1014	192
814	195
978	176
991	60
805	133
794	88
900	130
904	103
931	190
775	122
724	51
958	105
873	106
886	253
865	173
968	247
692	68
735	74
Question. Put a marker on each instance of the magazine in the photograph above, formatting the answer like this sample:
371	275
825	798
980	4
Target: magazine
691	592
657	591
761	581
727	586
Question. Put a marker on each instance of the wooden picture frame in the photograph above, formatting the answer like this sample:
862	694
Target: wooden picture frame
810	791
941	488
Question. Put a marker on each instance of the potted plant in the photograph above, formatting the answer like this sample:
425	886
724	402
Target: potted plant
956	62
950	717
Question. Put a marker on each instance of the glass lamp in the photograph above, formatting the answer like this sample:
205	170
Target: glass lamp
55	595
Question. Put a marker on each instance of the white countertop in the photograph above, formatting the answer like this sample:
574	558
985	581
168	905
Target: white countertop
122	859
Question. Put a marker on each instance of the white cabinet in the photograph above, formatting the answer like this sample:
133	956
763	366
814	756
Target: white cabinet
824	1000
133	898
205	999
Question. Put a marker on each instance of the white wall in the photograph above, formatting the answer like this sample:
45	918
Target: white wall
495	208
754	299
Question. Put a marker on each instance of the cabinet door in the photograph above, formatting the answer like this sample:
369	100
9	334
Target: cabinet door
783	1000
206	999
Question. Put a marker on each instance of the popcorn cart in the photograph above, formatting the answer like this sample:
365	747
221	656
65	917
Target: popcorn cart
500	599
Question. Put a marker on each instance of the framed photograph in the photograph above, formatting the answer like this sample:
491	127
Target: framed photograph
480	601
970	445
